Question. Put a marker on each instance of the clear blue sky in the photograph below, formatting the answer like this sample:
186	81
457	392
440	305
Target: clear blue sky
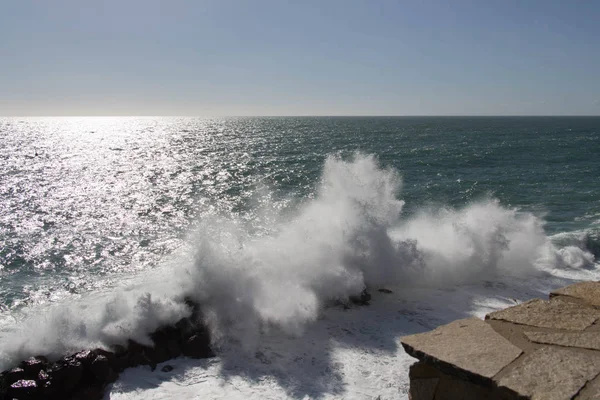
259	57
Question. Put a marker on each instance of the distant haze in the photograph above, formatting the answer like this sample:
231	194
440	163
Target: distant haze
314	57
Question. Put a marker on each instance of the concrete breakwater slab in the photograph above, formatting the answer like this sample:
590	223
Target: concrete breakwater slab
551	373
555	313
585	292
541	349
584	340
470	346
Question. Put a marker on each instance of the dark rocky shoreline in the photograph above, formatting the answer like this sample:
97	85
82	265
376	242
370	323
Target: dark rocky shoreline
85	375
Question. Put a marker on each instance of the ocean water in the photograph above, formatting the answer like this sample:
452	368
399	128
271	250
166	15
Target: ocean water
106	224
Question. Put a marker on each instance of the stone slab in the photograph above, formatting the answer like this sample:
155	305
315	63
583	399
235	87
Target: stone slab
591	391
587	292
551	373
465	347
555	313
585	340
453	389
423	389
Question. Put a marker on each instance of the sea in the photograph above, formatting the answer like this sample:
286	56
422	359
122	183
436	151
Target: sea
107	224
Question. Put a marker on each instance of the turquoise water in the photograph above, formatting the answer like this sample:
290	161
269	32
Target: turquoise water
88	202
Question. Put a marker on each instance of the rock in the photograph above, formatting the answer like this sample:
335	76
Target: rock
555	313
137	359
137	354
83	375
14	375
160	354
173	348
22	389
428	383
423	389
110	356
468	347
195	307
90	392
167	368
3	385
423	381
85	357
121	358
66	374
34	365
586	292
184	328
168	339
119	350
551	373
586	340
102	370
197	346
362	299
43	376
47	390
591	391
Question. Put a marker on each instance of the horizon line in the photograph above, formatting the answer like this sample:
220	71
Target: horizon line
312	116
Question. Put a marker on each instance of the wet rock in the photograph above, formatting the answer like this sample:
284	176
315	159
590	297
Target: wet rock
185	328
110	356
43	376
362	299
173	348
3	385
119	350
85	357
91	392
34	365
102	370
197	346
84	375
194	306
14	375
66	374
136	359
121	358
47	390
160	352
22	389
167	368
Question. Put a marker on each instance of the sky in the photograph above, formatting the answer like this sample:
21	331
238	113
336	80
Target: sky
311	57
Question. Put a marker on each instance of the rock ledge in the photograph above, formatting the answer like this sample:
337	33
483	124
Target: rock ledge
540	350
84	375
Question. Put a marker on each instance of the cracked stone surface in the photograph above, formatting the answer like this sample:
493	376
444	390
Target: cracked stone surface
585	340
540	350
555	313
588	292
591	391
470	345
551	373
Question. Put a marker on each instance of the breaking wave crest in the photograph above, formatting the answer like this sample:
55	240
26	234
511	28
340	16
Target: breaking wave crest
350	235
